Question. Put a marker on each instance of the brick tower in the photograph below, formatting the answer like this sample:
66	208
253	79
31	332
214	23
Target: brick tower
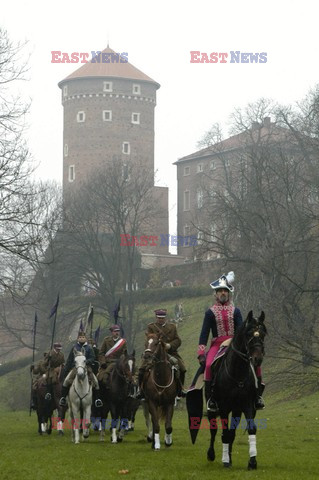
109	115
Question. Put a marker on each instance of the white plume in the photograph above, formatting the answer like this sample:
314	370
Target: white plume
230	277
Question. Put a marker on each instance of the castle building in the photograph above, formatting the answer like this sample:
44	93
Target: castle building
108	116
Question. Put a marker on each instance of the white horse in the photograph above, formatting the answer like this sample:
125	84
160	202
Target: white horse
80	399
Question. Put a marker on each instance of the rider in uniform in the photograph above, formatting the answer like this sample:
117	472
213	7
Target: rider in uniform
222	319
69	371
168	333
112	348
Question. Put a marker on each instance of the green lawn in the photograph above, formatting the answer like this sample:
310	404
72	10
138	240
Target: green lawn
287	449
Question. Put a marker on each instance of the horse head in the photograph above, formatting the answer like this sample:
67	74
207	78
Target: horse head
80	364
126	366
155	346
255	332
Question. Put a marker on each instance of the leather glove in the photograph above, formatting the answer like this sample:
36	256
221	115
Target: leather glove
202	360
167	346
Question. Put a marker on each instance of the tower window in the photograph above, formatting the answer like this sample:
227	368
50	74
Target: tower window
199	168
186	171
66	150
71	173
136	118
80	117
136	89
126	148
65	90
186	200
107	115
107	86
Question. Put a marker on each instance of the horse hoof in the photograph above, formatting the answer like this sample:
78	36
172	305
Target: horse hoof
120	440
149	439
49	432
168	444
210	454
227	464
61	433
252	464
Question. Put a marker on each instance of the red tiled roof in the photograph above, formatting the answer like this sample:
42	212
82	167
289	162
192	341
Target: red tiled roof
112	69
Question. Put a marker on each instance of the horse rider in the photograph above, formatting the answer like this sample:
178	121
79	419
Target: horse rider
112	348
69	371
168	333
223	319
55	361
38	371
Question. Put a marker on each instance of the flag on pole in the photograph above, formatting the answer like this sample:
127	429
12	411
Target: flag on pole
90	316
81	329
116	311
55	307
97	334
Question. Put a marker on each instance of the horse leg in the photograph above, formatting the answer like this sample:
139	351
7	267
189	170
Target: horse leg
148	422
213	430
114	423
168	425
226	440
156	444
252	430
86	420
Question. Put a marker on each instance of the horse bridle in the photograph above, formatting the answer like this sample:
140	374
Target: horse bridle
247	356
156	361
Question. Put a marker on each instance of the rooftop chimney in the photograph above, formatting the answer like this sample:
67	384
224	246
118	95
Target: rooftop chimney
267	122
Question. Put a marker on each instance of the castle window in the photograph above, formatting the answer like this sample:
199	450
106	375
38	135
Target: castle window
65	90
126	148
66	150
187	230
199	168
71	173
107	115
187	171
107	86
212	165
136	118
200	197
186	200
80	117
136	89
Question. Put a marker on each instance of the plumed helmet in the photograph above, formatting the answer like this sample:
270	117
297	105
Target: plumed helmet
224	282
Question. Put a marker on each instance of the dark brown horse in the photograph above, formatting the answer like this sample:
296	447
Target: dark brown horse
235	388
47	402
160	389
115	397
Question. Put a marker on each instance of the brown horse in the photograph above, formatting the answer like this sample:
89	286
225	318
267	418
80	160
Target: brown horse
160	389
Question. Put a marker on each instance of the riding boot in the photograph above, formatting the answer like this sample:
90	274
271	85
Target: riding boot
140	394
259	402
64	394
212	405
96	398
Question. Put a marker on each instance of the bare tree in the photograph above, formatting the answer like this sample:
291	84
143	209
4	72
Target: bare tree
91	256
262	215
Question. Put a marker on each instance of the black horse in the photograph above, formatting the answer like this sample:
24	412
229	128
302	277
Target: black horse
115	398
235	388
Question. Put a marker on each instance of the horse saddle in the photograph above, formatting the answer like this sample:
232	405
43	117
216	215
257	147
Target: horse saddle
222	350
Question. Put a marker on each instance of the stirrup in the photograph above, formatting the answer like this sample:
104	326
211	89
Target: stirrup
62	402
48	396
98	403
212	406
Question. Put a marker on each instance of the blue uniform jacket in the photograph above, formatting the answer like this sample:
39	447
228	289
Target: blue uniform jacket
209	324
